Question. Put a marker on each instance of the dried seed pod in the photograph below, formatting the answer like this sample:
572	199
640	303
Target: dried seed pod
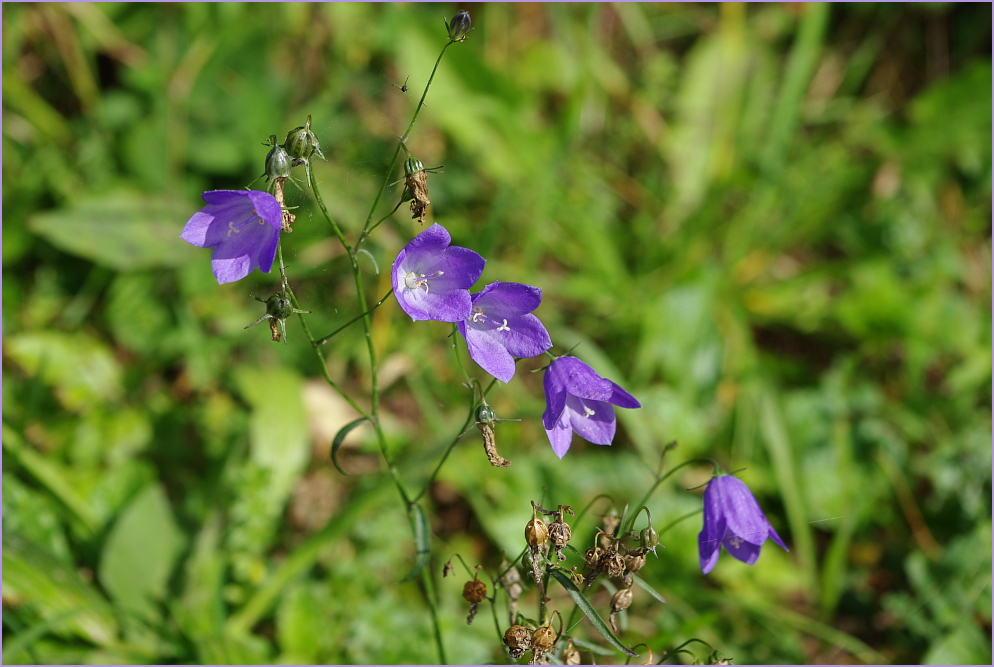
543	638
570	655
559	536
517	639
621	600
592	557
634	561
474	591
611	563
536	532
490	446
416	182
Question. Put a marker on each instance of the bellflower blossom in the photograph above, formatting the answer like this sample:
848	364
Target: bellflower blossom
501	327
243	227
431	279
578	399
732	519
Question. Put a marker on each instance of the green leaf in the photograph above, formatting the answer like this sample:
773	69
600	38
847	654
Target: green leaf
422	540
54	590
140	551
563	578
648	589
339	439
50	475
122	230
80	369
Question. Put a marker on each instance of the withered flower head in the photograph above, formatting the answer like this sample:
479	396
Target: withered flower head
518	639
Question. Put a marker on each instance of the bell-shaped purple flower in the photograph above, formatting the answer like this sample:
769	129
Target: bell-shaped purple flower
243	227
578	399
501	327
732	519
431	279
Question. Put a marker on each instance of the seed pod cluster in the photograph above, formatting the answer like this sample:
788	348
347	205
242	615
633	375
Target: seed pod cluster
543	639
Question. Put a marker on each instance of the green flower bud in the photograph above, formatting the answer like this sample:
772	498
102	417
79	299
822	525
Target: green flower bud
278	161
301	143
460	25
649	539
485	414
413	165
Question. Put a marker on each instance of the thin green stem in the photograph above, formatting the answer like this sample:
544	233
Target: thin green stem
322	341
652	490
678	520
324	209
429	589
401	144
367	232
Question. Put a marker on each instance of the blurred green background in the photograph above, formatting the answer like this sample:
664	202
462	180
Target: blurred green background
771	223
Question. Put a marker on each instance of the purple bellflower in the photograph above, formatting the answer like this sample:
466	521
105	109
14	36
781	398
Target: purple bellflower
243	227
431	279
578	399
501	327
732	519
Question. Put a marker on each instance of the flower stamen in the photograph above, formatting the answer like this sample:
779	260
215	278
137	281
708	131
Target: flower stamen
414	281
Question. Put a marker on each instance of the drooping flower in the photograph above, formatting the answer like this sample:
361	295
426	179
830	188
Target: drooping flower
501	327
578	399
243	227
431	279
732	519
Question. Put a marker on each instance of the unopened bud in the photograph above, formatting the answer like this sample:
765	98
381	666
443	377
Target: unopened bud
621	600
301	143
485	415
649	539
459	26
718	658
474	591
278	161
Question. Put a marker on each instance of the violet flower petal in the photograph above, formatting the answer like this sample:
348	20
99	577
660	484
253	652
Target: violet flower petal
594	421
243	227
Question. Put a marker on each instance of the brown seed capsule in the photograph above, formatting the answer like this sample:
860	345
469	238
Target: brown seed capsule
611	563
474	591
570	655
536	533
634	562
592	557
543	638
621	600
559	534
517	639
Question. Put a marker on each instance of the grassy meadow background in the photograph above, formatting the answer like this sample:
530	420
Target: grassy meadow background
770	223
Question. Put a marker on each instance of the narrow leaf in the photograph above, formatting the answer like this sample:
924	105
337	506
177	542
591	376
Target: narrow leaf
422	540
648	589
339	439
563	578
